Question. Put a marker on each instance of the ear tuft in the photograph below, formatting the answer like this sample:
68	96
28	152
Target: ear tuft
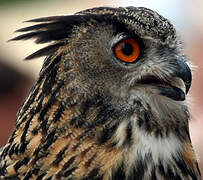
45	51
49	29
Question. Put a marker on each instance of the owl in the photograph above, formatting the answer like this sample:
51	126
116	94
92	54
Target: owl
109	104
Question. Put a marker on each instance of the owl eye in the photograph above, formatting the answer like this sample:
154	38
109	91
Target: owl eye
127	50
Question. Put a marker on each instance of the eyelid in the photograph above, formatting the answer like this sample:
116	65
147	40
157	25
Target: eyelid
118	38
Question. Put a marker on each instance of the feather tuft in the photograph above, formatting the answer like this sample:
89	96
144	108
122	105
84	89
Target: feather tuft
49	29
48	50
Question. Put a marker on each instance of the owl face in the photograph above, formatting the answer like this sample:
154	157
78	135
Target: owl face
128	61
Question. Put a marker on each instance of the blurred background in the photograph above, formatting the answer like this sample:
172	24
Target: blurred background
17	76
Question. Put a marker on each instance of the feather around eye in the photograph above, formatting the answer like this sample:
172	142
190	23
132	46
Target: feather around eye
127	50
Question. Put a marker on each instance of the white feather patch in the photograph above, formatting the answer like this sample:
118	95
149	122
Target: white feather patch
160	148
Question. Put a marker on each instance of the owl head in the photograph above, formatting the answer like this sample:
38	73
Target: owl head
128	56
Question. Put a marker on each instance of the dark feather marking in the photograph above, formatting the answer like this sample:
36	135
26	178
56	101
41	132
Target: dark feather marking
185	169
52	35
105	111
35	131
147	122
49	81
28	175
47	62
48	67
153	173
140	122
27	36
39	106
59	112
12	136
29	102
93	175
35	89
37	150
80	138
23	146
43	36
34	171
44	121
78	121
55	28
177	177
84	152
128	139
27	125
68	163
45	144
158	132
69	172
139	170
161	169
198	168
16	150
50	139
170	175
43	26
11	150
75	118
40	177
5	152
45	51
46	108
2	170
88	163
59	156
21	163
107	133
38	156
119	173
11	178
66	18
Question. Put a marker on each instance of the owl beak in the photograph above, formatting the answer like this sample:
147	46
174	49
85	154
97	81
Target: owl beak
169	89
184	72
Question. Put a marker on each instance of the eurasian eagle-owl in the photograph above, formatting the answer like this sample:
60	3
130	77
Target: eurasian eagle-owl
109	103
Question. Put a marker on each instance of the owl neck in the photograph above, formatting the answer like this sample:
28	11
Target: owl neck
156	150
159	148
158	158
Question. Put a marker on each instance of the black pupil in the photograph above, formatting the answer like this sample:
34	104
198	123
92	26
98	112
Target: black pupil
127	49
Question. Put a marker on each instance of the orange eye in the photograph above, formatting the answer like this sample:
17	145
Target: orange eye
127	50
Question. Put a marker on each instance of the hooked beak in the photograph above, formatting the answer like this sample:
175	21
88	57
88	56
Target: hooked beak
166	88
184	72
